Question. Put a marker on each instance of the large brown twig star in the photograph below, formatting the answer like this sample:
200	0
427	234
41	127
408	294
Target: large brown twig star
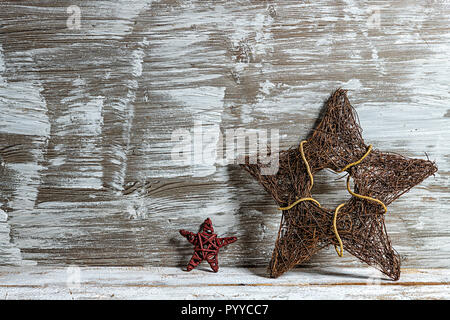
358	225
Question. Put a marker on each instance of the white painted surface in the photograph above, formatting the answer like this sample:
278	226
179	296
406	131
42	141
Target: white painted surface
229	283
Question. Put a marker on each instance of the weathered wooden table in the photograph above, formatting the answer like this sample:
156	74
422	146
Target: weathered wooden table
92	92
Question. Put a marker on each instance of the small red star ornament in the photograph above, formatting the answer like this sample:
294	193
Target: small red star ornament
206	245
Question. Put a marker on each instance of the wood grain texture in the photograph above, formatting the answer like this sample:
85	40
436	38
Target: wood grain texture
233	284
86	117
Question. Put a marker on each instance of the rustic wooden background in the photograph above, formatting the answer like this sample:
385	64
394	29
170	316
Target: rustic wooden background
87	112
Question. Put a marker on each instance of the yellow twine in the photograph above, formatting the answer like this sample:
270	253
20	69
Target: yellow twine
298	201
307	165
336	233
310	178
364	197
341	248
356	162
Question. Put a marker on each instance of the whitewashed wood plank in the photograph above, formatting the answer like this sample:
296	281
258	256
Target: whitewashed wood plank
229	283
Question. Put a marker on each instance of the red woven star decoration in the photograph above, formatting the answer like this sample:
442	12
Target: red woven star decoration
206	245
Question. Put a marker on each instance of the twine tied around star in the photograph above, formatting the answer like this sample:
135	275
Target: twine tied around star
311	179
379	178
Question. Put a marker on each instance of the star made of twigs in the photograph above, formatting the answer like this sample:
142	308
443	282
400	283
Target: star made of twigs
356	226
206	245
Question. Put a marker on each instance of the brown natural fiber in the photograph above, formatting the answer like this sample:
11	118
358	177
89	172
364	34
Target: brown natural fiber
306	228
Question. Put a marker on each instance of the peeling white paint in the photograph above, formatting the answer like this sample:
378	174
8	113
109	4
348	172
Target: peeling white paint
23	107
2	66
3	216
205	105
122	14
83	120
23	112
